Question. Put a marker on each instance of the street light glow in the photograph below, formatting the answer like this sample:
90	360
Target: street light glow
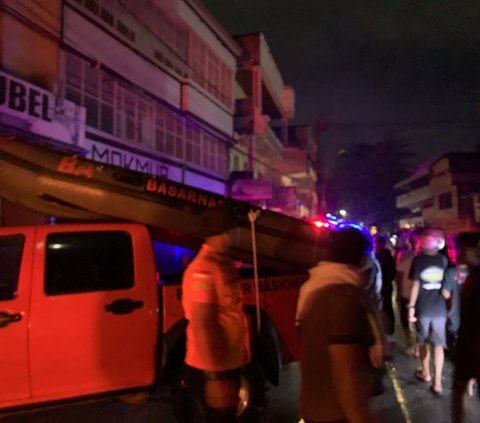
342	212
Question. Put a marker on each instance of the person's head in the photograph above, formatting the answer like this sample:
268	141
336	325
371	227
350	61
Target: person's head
467	248
380	243
414	238
220	242
431	240
350	246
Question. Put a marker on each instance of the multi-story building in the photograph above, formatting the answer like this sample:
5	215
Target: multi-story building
413	195
299	168
447	195
152	88
149	87
270	168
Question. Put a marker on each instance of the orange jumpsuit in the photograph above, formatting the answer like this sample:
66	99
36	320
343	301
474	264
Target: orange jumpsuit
212	278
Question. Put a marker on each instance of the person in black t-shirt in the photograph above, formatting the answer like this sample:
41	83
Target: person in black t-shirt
467	359
427	306
452	286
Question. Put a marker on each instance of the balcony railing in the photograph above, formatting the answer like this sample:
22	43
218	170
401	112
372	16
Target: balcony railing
413	198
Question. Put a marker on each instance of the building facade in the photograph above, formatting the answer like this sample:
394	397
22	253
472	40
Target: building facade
447	194
271	165
150	88
156	89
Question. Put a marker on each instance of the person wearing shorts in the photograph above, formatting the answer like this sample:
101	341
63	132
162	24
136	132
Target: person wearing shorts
428	307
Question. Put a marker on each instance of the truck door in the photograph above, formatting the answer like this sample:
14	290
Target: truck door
93	316
15	271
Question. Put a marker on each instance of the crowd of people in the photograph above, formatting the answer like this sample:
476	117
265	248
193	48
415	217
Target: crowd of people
345	320
438	297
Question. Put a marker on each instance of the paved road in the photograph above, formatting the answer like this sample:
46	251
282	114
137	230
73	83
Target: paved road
422	405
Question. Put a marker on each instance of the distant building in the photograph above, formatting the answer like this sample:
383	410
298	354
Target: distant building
446	194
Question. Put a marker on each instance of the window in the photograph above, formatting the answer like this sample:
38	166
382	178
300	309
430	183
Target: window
122	109
11	248
91	95
171	126
129	110
78	262
188	143
107	102
209	72
160	127
92	5
445	201
145	125
236	163
125	31
107	16
179	130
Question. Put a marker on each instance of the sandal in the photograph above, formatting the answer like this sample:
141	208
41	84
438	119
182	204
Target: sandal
420	376
436	393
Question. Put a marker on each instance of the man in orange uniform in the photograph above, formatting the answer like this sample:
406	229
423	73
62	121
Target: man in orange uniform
217	331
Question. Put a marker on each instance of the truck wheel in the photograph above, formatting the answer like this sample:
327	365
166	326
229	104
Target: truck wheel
253	394
252	397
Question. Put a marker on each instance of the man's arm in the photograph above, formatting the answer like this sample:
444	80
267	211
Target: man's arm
348	369
446	293
378	284
413	300
447	285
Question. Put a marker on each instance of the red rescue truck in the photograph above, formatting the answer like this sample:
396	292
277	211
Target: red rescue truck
83	311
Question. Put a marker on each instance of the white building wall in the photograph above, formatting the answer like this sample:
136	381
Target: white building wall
92	41
199	105
134	55
272	76
202	30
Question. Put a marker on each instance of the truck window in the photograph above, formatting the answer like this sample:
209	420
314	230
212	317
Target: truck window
78	262
11	248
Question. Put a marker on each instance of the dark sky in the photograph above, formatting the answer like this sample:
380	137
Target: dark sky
411	67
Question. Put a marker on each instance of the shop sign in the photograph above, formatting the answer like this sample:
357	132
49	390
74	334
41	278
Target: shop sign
107	154
38	109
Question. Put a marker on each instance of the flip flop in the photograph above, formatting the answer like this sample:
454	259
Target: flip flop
436	393
419	375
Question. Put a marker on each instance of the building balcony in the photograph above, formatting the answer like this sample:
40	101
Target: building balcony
414	198
249	120
276	99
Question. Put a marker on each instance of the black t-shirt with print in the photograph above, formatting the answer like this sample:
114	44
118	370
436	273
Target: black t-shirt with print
429	270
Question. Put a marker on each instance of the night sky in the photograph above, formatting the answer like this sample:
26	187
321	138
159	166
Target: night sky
406	67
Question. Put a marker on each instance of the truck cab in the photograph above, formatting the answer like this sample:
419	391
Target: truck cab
78	311
83	311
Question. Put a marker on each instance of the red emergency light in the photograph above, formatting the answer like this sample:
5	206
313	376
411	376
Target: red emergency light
320	224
